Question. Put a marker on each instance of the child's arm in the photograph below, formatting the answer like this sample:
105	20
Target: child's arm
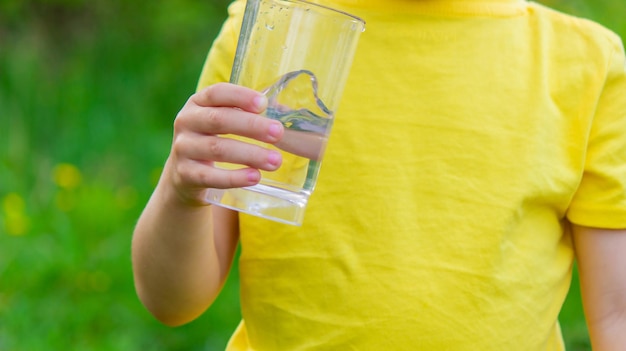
183	248
601	255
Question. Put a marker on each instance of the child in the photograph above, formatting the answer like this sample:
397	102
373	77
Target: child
479	148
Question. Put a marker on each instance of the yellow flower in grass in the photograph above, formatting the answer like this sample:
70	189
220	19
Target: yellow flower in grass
16	222
67	176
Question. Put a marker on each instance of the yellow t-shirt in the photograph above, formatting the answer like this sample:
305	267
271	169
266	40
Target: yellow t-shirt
468	135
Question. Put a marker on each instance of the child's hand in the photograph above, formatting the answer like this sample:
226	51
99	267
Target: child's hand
198	143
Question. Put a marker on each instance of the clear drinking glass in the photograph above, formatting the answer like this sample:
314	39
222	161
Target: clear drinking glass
299	54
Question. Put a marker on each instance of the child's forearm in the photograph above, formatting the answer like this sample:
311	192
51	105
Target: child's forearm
609	332
182	247
602	269
177	268
611	337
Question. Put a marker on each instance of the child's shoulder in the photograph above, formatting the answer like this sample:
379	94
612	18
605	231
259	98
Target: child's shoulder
569	27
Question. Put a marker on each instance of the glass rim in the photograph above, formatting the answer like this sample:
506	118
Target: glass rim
307	2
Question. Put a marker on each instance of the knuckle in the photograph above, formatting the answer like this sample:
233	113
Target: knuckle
207	93
231	180
193	175
216	148
182	175
214	119
179	145
210	94
255	123
179	122
184	116
211	90
207	180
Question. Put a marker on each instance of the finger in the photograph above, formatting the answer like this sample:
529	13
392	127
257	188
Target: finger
202	176
231	95
225	149
224	120
305	144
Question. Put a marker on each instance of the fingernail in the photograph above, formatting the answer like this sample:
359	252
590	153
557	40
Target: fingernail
259	102
274	158
253	176
275	129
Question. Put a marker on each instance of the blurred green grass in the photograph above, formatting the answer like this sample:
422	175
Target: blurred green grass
88	93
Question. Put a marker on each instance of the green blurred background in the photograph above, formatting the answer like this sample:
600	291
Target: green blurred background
88	93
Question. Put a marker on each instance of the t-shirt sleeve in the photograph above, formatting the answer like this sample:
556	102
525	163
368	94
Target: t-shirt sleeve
219	61
600	200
